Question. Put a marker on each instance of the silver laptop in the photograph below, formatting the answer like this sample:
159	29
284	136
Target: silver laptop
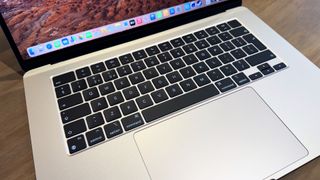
162	90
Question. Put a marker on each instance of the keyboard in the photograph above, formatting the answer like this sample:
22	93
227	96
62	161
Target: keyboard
103	101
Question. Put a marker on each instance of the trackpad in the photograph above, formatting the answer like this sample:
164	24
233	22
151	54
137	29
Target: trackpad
235	137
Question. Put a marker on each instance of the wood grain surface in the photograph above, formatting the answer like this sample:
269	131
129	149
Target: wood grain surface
296	20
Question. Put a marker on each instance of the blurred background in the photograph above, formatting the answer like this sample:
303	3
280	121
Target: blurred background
3	42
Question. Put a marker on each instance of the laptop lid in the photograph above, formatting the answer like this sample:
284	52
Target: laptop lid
43	32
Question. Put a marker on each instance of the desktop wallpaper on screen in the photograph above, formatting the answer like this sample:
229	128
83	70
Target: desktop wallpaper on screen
32	22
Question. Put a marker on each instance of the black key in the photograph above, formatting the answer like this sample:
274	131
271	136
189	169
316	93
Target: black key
223	27
238	53
200	67
202	44
79	85
139	55
241	79
215	50
90	94
112	63
112	114
94	120
83	72
128	107
190	48
189	38
126	59
99	104
164	68
225	36
251	39
213	63
153	50
160	82
267	71
95	136
188	85
201	80
124	70
201	34
122	83
225	85
203	54
260	58
113	129
74	128
109	75
115	98
70	101
264	66
174	90
76	144
228	70
106	88
241	65
187	72
145	87
159	96
279	66
234	23
177	64
151	61
63	90
212	30
166	46
250	49
238	42
138	66
75	113
132	121
226	58
131	93
144	101
255	76
164	57
94	80
97	68
190	59
63	79
174	77
213	40
215	75
136	78
177	42
179	103
150	73
240	31
227	46
177	52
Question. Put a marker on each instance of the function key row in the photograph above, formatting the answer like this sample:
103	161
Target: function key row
166	46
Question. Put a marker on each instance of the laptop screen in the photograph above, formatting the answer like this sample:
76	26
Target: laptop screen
41	27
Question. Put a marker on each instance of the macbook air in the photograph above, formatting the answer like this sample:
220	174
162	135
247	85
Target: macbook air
161	90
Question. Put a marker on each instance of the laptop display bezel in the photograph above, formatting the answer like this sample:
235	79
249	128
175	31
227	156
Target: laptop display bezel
115	39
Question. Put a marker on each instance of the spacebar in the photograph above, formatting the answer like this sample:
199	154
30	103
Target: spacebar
179	103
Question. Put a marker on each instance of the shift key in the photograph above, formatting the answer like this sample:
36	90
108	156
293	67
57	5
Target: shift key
260	58
75	113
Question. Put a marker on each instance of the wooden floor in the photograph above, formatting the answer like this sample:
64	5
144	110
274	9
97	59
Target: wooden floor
296	20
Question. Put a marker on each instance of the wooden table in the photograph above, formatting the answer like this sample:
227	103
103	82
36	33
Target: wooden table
296	20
